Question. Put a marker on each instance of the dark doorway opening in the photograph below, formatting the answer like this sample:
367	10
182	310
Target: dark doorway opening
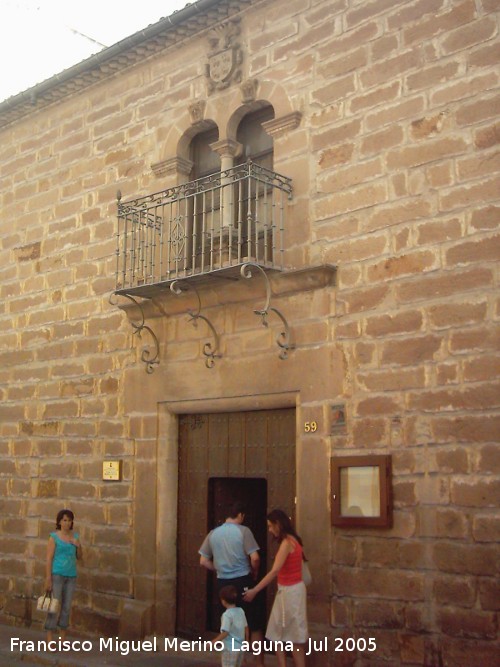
222	492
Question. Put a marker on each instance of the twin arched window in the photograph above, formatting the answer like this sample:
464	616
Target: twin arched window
257	145
230	210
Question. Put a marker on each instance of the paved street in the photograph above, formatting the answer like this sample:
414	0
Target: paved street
9	661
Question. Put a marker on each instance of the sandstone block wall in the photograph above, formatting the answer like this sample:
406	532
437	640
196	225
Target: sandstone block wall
396	180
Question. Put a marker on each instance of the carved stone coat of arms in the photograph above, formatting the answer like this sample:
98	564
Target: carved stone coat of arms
225	56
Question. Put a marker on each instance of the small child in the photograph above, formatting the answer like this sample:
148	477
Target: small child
233	628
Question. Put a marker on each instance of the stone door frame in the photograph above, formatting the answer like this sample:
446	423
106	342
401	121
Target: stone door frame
167	487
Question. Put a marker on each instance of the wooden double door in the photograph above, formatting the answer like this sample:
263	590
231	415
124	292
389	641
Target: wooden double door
223	457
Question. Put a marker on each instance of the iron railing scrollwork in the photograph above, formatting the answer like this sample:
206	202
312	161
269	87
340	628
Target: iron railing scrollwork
150	357
211	352
283	340
219	221
210	349
228	224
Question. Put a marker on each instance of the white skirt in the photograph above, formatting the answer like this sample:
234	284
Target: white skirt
288	620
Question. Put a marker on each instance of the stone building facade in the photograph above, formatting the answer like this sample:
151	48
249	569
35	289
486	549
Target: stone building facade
382	117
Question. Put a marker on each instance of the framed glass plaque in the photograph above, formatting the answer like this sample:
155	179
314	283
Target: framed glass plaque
361	491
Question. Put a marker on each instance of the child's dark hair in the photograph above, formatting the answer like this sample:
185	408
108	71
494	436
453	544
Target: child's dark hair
60	515
229	594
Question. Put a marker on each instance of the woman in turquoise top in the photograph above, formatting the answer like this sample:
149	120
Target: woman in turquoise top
63	550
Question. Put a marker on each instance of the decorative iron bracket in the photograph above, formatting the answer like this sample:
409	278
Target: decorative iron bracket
283	339
211	352
150	358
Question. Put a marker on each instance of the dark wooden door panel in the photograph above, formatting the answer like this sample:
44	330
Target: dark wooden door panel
191	579
248	456
236	455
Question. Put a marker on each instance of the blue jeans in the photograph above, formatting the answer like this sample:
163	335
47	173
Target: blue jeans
62	589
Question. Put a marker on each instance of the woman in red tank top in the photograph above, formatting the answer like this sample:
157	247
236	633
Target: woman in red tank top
288	620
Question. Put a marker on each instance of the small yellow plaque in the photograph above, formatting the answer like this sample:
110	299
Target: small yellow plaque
112	471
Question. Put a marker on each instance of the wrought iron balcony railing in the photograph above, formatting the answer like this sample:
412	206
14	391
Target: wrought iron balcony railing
213	224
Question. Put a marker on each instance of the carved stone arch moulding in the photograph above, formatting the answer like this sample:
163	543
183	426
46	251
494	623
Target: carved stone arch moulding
201	115
177	143
167	146
171	166
253	95
239	111
282	124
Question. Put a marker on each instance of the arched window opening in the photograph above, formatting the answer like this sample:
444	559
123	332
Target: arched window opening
205	160
255	195
257	144
205	203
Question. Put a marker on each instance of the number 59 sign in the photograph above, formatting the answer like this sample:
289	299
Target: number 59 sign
310	427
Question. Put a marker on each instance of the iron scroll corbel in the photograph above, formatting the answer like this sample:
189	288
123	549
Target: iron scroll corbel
283	338
150	358
211	352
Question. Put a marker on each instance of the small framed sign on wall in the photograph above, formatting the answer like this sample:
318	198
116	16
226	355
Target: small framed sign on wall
361	491
112	471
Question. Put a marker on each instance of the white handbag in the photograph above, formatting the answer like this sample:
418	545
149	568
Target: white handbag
306	573
47	603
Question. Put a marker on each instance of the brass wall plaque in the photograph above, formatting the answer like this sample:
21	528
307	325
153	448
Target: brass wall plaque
111	471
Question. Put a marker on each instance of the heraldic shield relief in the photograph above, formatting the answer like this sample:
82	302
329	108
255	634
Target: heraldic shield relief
221	65
225	56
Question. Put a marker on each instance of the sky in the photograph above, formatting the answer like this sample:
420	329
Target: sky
40	38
